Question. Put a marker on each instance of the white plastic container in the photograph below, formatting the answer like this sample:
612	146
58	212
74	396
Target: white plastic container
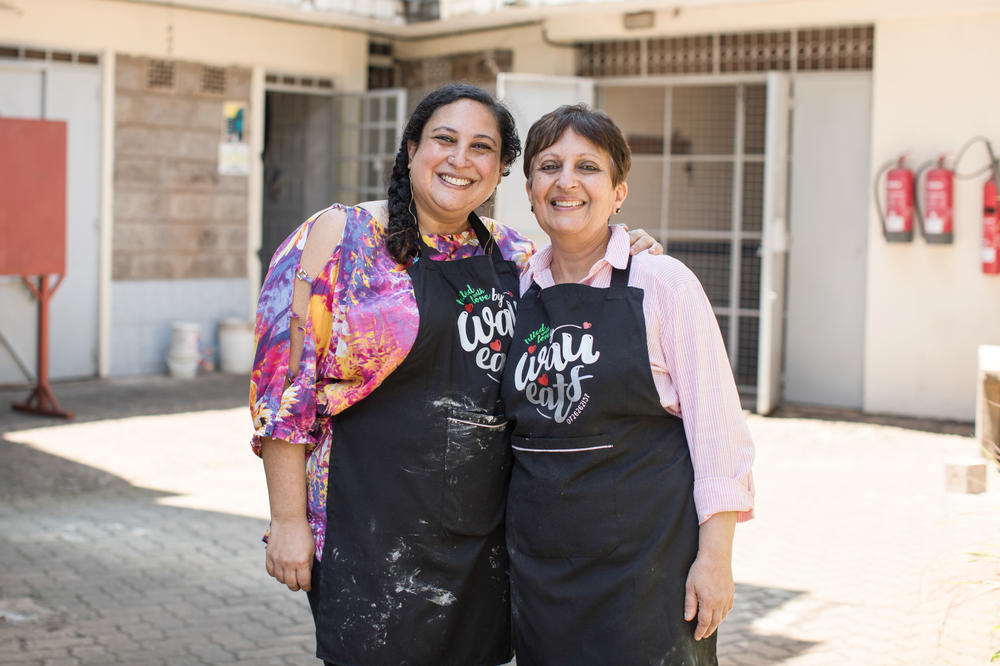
236	346
183	357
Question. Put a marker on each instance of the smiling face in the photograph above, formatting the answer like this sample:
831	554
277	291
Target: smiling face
571	190
456	166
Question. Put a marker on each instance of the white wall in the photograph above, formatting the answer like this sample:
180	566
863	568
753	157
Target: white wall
143	312
140	29
930	306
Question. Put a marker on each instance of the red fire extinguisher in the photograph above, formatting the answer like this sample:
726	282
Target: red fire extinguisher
936	221
991	226
897	214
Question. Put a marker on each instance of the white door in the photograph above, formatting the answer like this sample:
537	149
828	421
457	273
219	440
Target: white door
529	97
774	248
828	223
70	93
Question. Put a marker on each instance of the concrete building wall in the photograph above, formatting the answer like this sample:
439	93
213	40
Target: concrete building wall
175	215
160	30
607	21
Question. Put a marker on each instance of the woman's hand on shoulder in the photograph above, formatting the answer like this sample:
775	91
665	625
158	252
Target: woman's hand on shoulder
641	240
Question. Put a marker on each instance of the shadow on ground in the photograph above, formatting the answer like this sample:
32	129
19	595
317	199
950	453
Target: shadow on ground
939	426
740	643
96	570
27	473
99	399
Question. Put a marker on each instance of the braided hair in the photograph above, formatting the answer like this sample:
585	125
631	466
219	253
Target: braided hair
402	233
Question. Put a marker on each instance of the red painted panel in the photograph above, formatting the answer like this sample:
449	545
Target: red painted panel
32	196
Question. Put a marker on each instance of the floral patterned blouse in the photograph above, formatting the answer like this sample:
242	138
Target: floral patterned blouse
361	322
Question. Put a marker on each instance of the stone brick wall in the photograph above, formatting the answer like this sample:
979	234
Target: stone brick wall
175	216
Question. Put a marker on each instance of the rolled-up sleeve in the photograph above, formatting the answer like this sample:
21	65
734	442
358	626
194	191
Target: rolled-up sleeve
284	408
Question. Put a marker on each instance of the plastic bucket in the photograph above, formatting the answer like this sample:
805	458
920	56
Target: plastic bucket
236	346
183	357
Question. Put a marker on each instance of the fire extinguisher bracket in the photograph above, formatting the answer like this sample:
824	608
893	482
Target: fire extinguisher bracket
899	236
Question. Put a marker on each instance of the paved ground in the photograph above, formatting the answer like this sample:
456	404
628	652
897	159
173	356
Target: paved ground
131	536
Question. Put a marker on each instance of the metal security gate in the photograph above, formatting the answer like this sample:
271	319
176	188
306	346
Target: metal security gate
698	180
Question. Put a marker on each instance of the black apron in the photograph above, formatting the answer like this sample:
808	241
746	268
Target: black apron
601	522
414	567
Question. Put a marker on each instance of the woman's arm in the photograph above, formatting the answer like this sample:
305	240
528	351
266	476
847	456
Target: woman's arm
290	546
710	591
286	410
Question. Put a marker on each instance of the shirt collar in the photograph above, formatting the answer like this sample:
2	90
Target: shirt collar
615	255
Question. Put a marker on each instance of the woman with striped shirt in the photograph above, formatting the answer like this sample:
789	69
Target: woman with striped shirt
631	454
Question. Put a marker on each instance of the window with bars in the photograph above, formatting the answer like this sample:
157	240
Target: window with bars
159	75
213	80
833	48
18	52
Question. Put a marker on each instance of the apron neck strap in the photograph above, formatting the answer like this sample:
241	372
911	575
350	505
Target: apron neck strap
482	235
619	276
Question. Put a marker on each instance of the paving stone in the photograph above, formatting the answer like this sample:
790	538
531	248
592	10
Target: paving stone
858	554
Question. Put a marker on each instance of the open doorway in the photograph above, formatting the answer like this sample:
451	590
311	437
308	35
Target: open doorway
324	148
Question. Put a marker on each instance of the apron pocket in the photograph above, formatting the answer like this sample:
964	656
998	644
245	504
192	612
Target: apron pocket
477	463
562	497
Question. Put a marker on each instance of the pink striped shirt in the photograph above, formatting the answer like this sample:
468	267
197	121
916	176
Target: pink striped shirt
690	369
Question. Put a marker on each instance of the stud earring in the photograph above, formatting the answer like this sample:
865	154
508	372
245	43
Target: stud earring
618	210
532	208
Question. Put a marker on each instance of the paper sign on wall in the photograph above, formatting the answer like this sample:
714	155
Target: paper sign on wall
234	154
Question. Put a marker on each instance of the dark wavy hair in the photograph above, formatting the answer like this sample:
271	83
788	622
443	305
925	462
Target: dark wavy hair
402	231
596	126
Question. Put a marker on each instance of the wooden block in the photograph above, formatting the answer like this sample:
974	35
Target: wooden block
965	476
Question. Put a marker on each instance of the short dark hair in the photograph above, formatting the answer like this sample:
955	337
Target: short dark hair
595	126
401	231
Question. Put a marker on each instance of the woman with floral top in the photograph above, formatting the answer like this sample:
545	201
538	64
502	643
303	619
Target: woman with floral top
382	332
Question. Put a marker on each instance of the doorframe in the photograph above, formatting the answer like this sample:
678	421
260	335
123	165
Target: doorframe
259	87
106	221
